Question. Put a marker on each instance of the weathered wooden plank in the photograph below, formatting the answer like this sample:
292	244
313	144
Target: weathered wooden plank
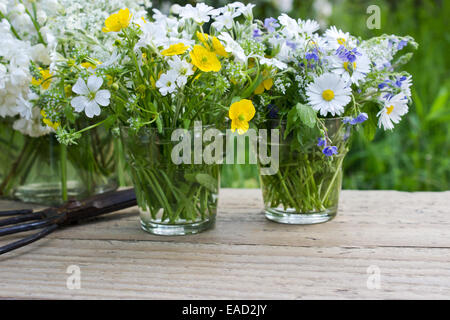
405	235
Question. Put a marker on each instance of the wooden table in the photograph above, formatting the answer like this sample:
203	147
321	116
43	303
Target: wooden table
403	236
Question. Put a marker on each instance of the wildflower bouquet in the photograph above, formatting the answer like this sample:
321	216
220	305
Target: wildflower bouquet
331	83
36	36
167	73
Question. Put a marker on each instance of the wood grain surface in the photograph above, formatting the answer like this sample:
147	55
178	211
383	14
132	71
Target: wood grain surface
406	236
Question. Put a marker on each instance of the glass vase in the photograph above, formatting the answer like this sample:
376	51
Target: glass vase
41	170
173	199
305	189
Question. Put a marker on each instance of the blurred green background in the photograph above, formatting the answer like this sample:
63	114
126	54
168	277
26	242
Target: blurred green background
415	156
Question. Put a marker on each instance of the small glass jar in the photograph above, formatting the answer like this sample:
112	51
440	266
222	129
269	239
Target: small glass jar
173	198
305	189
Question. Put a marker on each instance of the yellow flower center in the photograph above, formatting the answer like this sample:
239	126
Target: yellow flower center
328	95
241	117
389	109
341	41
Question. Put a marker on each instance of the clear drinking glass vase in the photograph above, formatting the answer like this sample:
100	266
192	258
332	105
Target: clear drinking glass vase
306	188
173	198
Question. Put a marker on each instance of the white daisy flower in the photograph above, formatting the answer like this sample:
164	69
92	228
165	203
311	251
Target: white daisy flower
308	26
337	38
182	68
328	94
90	97
394	108
167	83
353	72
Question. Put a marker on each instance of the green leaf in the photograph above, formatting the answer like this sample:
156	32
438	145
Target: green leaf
439	104
292	117
159	123
370	128
307	115
207	181
249	91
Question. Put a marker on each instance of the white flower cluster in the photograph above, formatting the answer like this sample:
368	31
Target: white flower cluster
30	31
165	31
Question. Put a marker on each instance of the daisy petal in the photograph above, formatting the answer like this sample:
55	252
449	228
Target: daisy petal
80	87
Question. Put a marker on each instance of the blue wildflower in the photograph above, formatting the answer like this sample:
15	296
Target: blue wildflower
271	24
273	111
359	119
329	151
321	142
346	120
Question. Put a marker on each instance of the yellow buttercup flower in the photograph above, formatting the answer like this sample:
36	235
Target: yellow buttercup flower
117	21
203	37
175	49
241	113
204	59
265	85
45	79
219	48
48	122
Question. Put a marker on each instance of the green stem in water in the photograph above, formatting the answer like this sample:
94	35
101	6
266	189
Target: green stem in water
63	155
330	186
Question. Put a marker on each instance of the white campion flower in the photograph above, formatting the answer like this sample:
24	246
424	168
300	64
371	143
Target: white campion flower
394	108
224	20
245	10
182	68
200	13
167	83
90	97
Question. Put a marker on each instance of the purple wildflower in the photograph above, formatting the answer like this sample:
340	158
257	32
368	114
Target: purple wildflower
257	33
321	142
271	24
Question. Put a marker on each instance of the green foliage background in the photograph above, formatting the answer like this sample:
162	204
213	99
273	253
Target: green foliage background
416	154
